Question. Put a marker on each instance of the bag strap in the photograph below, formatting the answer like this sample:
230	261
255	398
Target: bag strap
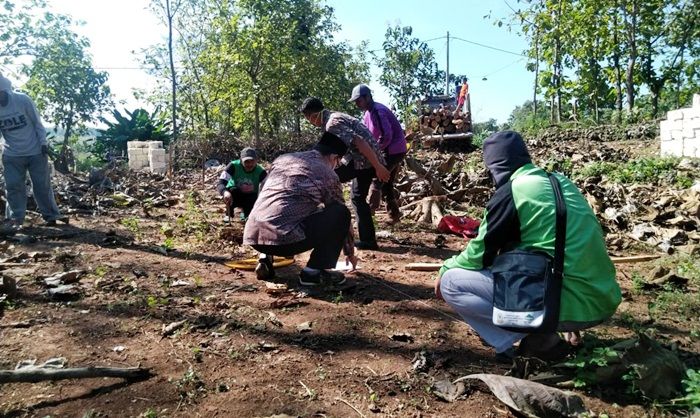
560	237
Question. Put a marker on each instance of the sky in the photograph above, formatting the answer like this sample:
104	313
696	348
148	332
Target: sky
498	80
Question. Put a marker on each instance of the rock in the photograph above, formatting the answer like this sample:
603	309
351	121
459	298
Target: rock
66	292
304	326
8	286
67	277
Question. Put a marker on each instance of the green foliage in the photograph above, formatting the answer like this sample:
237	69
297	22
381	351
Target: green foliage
189	386
247	66
691	388
133	224
409	70
586	362
26	27
654	170
68	91
483	130
523	120
613	59
135	125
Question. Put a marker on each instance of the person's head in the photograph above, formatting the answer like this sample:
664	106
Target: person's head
249	159
5	90
362	96
464	80
504	153
312	109
331	147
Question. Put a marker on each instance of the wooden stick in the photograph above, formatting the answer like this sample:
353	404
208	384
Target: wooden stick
348	404
34	375
616	260
634	258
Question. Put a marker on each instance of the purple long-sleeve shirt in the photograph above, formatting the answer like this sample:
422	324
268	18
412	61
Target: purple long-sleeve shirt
386	129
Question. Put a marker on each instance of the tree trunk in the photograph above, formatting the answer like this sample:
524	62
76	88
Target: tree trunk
557	64
537	73
616	65
631	24
170	14
258	144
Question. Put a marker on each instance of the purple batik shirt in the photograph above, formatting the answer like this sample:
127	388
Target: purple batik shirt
386	129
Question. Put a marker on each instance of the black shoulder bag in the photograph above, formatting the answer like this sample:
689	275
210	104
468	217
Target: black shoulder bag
527	284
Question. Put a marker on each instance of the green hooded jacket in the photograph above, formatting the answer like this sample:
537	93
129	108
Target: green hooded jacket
522	214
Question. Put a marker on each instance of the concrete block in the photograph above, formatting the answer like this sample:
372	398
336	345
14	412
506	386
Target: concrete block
672	124
677	135
691	113
159	170
155	144
157	151
688	132
675	115
673	148
691	148
696	101
136	144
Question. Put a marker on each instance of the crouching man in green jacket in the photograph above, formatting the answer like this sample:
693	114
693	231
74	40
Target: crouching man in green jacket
522	214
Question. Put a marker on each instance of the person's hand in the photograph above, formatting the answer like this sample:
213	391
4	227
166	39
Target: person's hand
351	259
45	149
227	197
438	294
382	173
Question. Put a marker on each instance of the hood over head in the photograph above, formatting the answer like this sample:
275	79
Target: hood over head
5	84
504	153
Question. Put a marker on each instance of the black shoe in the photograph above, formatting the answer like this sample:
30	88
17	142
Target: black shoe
265	269
506	356
366	245
330	278
53	222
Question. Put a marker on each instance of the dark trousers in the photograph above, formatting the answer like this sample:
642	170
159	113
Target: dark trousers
325	232
393	164
245	201
361	180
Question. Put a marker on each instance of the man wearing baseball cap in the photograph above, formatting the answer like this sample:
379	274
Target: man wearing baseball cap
387	130
239	183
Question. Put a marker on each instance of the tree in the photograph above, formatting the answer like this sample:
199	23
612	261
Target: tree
408	68
246	66
135	125
24	30
66	88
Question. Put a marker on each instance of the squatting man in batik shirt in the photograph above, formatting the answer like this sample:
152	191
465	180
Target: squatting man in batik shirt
301	208
239	183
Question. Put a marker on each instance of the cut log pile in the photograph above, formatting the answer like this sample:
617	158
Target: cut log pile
444	120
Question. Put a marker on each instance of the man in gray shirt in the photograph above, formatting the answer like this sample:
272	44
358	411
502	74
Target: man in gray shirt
24	149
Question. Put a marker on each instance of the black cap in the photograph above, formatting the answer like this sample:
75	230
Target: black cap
248	154
331	144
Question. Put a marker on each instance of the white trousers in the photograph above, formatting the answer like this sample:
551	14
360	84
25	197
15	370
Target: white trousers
470	294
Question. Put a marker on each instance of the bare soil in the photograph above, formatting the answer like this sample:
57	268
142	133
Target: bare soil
240	354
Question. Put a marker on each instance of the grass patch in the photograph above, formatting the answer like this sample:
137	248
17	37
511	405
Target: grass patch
650	170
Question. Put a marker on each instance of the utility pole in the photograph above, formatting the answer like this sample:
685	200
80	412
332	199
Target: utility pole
447	67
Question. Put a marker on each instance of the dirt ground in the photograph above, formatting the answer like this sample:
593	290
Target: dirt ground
244	352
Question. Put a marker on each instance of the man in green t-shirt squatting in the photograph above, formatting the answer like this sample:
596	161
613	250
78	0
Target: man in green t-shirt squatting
239	183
